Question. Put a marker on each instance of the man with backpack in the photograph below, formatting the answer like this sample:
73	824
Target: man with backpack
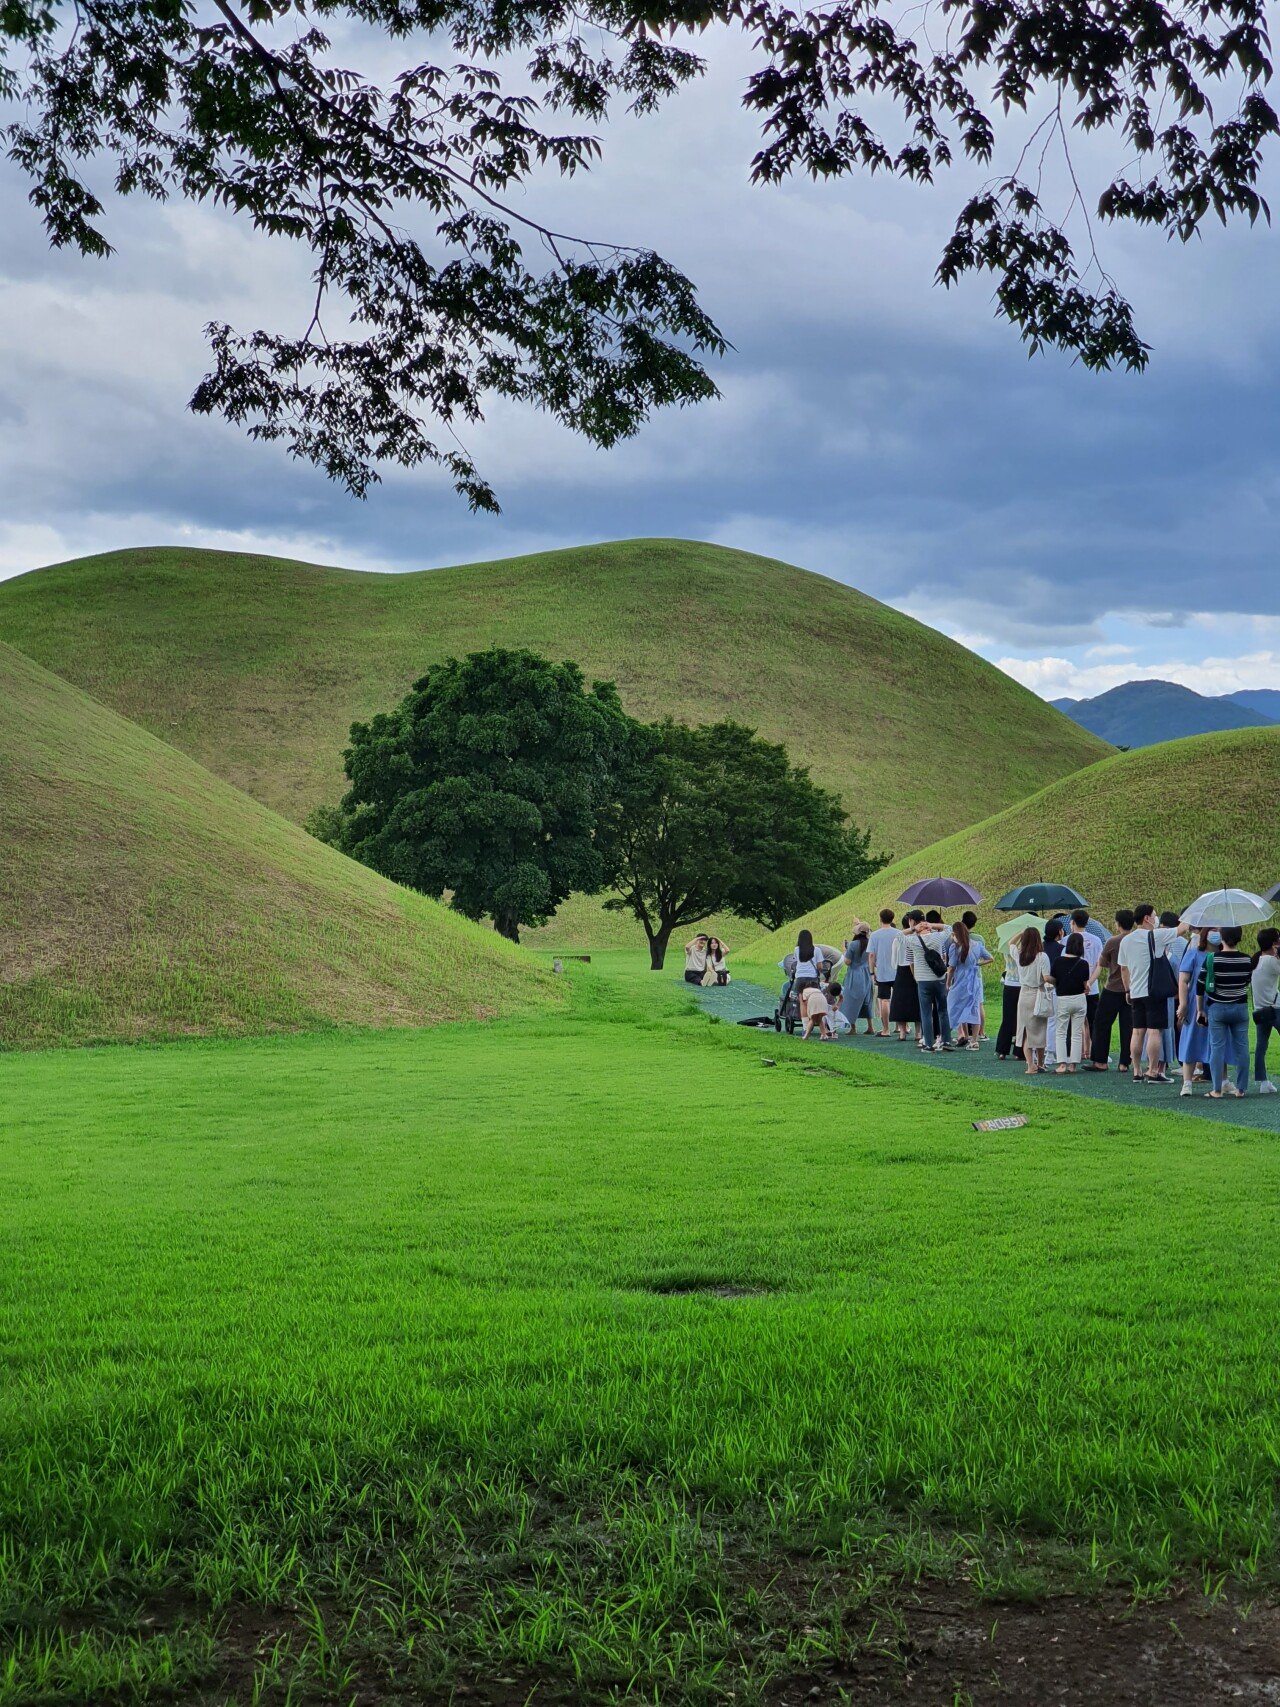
926	943
1149	982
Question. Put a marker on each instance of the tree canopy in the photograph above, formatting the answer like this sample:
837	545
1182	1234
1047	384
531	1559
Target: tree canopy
488	782
436	289
714	820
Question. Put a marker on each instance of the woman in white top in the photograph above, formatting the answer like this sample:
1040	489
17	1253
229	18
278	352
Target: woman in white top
803	966
1033	976
716	952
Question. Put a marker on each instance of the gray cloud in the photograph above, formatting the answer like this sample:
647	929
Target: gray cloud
872	426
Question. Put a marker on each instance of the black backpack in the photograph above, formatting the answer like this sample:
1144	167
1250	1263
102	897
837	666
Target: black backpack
1162	985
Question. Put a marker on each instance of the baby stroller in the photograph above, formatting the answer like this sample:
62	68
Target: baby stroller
786	1016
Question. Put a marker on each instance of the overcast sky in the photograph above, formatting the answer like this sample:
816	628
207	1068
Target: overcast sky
1078	530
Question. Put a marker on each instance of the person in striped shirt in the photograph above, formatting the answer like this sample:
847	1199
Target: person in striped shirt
1223	986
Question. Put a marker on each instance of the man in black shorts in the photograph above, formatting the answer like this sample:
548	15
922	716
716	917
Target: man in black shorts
880	963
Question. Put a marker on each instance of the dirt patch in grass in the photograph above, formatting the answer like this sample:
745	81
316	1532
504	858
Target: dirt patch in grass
944	1644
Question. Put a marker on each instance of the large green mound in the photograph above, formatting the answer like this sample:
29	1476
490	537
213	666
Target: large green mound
140	896
257	666
1161	824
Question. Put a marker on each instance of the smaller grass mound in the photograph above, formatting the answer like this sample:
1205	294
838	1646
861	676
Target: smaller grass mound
1162	824
141	897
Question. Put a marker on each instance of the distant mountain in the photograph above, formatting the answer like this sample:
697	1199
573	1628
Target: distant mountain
1265	700
1139	714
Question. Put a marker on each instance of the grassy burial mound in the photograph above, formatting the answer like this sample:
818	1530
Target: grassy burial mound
257	667
1161	824
140	896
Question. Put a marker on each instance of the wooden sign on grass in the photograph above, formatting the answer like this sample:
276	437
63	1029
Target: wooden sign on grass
1001	1125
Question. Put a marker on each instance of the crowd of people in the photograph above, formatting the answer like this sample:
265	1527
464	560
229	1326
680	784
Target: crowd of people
1175	999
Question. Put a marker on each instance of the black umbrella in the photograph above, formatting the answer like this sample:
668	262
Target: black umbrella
1037	897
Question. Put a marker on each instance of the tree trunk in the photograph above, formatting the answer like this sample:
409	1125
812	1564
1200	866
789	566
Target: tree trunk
507	925
658	946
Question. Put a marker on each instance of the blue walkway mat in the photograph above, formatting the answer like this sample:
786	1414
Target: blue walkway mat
739	1001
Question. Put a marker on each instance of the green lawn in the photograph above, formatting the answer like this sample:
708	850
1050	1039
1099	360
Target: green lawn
586	1350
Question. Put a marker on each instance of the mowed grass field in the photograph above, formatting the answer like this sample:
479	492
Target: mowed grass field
1161	824
592	1358
141	896
256	667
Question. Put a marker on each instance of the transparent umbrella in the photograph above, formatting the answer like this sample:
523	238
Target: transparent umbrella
1227	907
1009	928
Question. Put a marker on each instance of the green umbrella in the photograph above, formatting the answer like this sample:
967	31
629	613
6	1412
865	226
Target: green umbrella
1009	928
1044	896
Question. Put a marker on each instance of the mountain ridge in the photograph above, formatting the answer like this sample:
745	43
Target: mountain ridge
1148	710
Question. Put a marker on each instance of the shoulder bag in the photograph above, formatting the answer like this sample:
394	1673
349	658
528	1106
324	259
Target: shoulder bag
1161	983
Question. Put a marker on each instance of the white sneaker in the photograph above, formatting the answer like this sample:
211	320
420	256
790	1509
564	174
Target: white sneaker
1187	1090
937	1049
1266	1089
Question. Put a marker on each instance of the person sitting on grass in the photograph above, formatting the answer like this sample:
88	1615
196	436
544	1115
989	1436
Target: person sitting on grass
695	958
815	1011
716	952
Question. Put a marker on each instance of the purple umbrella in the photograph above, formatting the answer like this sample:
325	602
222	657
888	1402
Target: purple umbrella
941	892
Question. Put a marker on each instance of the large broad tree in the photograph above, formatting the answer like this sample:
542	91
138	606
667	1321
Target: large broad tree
715	819
488	782
436	286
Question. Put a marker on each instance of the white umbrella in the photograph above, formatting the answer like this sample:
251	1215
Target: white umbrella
1227	907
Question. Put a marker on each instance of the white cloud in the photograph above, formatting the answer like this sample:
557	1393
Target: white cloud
1057	678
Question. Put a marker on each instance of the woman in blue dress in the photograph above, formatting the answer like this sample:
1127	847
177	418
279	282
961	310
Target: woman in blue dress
1193	1038
965	956
857	1001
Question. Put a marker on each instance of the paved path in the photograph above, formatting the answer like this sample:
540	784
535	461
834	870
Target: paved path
744	1001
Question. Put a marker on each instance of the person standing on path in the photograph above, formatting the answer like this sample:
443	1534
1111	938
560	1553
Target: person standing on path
1175	952
880	946
1071	975
927	942
1010	990
1144	966
904	1009
1193	1021
965	956
1224	985
803	966
1112	1006
1055	935
858	992
1266	1003
1092	953
1033	975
